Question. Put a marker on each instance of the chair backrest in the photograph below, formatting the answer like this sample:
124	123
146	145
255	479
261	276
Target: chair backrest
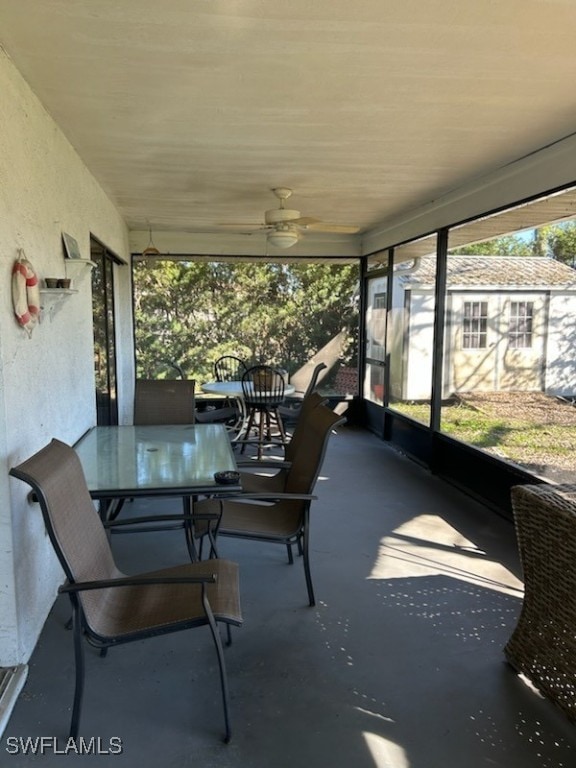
71	520
164	401
313	383
299	380
307	461
263	385
229	368
310	402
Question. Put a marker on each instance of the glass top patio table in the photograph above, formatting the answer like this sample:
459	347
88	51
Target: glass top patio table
173	460
234	388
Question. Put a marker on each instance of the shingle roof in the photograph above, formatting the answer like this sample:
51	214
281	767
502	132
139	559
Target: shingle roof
504	271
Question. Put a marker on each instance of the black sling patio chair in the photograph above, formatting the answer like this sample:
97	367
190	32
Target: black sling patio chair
267	475
279	516
291	408
108	607
159	401
164	401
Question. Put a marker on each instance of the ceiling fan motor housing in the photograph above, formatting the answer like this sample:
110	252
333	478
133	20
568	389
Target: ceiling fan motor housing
280	215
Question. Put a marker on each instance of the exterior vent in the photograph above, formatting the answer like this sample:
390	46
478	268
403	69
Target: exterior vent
11	681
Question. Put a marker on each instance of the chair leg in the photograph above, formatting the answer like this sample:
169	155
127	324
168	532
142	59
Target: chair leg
249	427
268	426
221	664
79	663
192	551
113	509
187	504
306	556
262	421
290	555
281	429
213	551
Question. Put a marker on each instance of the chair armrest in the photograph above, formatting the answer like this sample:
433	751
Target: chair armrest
161	519
272	497
263	464
136	581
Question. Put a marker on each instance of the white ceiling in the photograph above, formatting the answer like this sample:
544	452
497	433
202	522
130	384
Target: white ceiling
189	111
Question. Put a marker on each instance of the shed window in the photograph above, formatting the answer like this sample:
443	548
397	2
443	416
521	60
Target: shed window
520	328
379	301
475	325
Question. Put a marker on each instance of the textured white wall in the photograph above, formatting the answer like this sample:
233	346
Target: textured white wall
46	381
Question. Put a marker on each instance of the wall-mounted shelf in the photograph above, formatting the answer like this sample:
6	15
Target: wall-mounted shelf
79	262
57	291
50	298
53	296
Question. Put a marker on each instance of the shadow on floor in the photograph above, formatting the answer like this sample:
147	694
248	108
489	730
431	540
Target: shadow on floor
399	665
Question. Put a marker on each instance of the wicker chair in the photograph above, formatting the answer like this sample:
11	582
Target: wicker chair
108	607
543	645
280	516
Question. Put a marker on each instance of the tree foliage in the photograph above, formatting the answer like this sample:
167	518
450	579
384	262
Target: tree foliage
559	242
191	313
509	245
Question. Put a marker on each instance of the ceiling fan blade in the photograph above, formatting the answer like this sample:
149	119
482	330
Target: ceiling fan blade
251	224
322	226
244	228
305	221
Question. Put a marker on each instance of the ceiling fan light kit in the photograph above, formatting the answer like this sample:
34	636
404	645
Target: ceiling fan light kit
283	238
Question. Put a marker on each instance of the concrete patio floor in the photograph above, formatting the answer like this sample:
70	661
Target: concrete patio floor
399	665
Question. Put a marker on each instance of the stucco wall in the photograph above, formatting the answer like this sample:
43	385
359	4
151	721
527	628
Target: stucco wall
46	381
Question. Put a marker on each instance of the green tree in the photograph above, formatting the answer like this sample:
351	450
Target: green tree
559	241
556	241
191	313
508	245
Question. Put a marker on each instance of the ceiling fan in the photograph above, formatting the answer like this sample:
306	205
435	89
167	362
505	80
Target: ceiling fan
285	225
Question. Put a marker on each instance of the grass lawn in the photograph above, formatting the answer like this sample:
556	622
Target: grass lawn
510	427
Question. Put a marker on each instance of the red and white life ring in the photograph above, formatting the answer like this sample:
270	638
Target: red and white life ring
25	294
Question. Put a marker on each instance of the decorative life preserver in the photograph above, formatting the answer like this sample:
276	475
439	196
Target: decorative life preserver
25	294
